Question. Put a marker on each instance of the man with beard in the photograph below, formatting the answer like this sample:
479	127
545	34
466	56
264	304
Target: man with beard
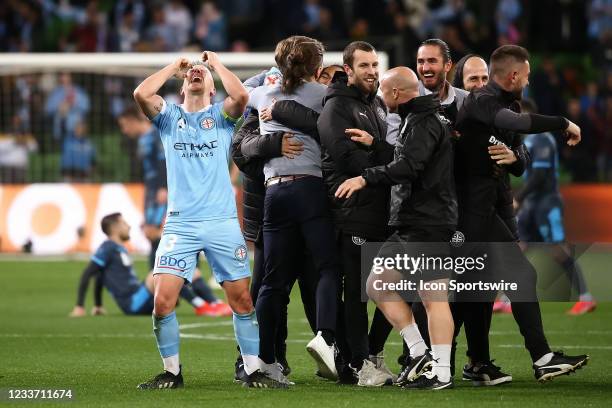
352	129
489	148
433	65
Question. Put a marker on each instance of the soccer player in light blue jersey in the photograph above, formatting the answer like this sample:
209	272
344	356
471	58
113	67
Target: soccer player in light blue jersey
201	207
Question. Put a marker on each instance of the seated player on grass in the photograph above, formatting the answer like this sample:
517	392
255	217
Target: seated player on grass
111	265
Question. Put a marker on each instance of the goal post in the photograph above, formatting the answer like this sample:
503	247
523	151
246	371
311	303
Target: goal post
244	63
32	112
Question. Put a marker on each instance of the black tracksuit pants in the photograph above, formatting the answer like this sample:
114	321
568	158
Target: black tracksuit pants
307	284
511	265
296	213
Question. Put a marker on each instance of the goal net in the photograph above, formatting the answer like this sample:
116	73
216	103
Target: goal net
49	102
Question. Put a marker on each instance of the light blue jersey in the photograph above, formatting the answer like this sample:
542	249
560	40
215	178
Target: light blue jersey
201	203
196	146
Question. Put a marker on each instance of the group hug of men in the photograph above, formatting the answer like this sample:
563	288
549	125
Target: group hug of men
405	158
335	158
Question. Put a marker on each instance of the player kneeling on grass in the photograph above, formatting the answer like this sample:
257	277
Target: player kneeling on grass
111	266
202	212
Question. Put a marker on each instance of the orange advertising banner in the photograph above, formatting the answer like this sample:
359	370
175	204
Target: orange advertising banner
588	212
65	218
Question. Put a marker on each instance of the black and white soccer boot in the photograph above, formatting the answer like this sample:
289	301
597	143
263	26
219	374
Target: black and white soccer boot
428	381
415	368
259	379
165	380
240	375
560	364
485	374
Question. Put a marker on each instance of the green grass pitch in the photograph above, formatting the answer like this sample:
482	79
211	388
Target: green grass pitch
102	359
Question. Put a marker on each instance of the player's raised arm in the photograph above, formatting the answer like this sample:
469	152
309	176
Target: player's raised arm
238	96
146	93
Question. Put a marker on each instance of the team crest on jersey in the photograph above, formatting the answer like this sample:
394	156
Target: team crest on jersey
240	253
182	124
358	240
458	239
207	123
272	79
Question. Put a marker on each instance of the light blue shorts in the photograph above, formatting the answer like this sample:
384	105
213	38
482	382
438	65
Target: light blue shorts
221	240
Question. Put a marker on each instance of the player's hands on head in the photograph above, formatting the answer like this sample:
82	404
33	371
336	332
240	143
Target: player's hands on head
573	133
291	147
360	136
182	65
349	186
211	58
502	154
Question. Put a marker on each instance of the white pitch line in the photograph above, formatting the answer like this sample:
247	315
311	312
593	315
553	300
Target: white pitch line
206	324
561	347
218	337
71	336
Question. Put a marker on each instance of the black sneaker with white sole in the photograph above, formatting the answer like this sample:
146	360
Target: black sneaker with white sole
165	380
415	368
486	374
240	375
428	381
560	364
260	379
347	375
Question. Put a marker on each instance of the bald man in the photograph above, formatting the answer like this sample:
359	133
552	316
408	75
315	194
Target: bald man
423	210
471	72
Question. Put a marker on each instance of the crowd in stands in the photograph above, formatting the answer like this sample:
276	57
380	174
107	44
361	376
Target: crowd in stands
571	31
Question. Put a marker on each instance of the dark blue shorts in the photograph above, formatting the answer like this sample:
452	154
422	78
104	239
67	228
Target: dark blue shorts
141	302
541	220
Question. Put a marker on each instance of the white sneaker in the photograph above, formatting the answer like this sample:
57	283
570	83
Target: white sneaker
324	356
379	362
370	376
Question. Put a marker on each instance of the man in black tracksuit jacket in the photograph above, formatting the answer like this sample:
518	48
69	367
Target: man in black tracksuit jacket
353	129
489	148
423	209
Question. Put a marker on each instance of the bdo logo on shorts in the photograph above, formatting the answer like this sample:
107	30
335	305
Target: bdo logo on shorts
240	253
168	262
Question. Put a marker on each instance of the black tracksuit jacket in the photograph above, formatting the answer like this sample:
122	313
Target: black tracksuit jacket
421	172
366	213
